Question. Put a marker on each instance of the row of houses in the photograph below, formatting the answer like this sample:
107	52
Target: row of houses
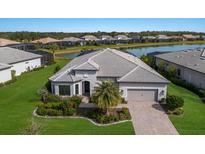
17	61
102	39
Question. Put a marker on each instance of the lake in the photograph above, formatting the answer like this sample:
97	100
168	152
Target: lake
139	51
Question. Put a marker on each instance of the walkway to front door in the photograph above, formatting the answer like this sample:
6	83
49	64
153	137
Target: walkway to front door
150	119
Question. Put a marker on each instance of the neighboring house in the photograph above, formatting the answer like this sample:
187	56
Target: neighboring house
190	65
163	38
190	37
122	37
136	38
18	60
90	38
176	38
47	40
6	42
5	73
203	37
106	38
148	38
72	41
136	80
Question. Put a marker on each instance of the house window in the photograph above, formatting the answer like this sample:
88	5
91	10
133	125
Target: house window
77	89
64	90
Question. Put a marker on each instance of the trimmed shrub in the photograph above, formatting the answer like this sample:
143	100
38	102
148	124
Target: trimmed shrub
52	98
52	112
41	111
70	111
75	99
174	102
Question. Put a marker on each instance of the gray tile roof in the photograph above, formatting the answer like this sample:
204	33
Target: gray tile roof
110	63
72	39
90	38
192	59
4	66
140	74
10	55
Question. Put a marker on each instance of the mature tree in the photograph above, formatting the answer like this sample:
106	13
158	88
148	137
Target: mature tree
106	95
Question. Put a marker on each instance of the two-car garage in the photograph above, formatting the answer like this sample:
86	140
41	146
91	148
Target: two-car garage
142	95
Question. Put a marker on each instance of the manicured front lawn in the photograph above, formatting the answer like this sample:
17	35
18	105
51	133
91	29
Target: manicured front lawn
193	120
18	100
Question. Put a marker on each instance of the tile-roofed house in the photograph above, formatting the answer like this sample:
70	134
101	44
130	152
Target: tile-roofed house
190	65
72	39
46	40
19	60
106	37
190	37
6	42
90	38
163	37
128	72
122	37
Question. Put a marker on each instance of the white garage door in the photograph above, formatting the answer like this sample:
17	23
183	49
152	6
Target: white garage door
141	95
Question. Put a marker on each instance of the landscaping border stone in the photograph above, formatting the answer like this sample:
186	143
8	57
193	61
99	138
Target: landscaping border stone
77	117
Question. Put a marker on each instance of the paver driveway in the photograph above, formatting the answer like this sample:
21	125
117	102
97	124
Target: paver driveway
150	119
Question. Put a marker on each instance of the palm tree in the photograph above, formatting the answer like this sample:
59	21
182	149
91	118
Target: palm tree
106	95
53	48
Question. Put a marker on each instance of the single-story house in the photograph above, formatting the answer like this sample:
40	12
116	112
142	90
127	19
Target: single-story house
190	37
18	60
106	37
72	41
47	40
163	38
190	65
90	38
122	37
136	80
148	38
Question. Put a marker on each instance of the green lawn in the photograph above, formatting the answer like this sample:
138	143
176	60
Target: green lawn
117	46
18	100
193	120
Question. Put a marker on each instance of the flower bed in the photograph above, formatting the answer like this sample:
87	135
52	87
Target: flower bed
66	107
101	117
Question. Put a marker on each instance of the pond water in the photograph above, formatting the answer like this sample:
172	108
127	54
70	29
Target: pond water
145	50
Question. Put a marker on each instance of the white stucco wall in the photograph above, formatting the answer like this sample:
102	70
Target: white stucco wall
5	75
162	88
23	66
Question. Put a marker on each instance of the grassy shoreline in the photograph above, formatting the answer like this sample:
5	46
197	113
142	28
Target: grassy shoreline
119	46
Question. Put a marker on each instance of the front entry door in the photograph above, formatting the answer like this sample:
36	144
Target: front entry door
86	88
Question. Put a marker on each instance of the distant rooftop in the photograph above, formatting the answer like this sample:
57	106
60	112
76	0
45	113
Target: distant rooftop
45	40
6	42
192	59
